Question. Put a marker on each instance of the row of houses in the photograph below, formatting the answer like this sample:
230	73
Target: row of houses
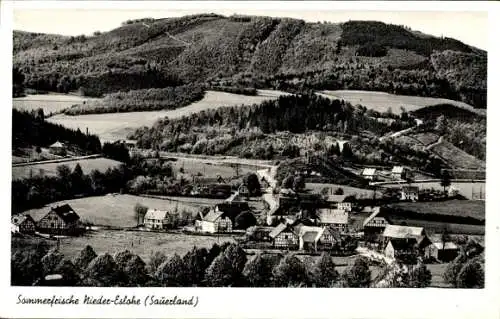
397	173
296	236
402	241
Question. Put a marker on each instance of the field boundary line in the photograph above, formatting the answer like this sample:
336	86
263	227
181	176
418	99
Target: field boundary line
61	160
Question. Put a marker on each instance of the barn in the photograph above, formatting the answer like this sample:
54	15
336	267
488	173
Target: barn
60	220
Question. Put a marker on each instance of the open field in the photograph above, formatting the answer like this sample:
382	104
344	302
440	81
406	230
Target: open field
118	210
50	103
436	227
208	169
140	243
426	138
457	158
380	101
50	169
466	189
462	208
114	126
348	190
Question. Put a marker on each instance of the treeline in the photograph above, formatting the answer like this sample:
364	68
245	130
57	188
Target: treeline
40	190
140	75
30	128
227	265
235	90
17	83
141	100
394	36
66	184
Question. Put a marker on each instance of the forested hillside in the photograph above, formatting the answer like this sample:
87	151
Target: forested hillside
141	100
257	52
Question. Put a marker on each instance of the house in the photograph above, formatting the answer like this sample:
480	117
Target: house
219	190
335	218
233	208
211	190
58	148
280	213
59	220
258	233
287	192
369	174
444	253
398	173
159	219
308	239
374	225
23	224
234	198
341	145
243	190
317	238
215	221
339	201
284	237
401	249
419	122
406	232
409	193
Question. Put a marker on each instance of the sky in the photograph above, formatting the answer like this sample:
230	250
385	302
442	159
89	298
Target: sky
467	26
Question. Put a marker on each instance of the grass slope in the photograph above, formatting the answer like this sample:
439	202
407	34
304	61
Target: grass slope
455	208
110	127
118	210
380	101
457	158
50	169
50	103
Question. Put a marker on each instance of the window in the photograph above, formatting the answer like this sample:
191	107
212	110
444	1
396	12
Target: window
52	225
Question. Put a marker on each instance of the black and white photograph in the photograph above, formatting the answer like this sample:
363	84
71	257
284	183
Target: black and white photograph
248	148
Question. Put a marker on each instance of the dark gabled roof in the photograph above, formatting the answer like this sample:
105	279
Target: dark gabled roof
403	244
66	213
279	229
233	209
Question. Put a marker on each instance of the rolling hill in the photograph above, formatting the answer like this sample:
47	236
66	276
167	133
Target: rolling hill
249	51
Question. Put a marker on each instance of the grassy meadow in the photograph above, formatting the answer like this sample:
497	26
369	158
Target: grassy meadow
50	169
114	126
380	101
50	103
457	158
118	210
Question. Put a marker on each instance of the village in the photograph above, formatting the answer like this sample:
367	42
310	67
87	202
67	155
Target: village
293	219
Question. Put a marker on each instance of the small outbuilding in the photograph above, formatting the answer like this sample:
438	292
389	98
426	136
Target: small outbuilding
398	173
444	253
369	174
409	193
58	148
23	224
